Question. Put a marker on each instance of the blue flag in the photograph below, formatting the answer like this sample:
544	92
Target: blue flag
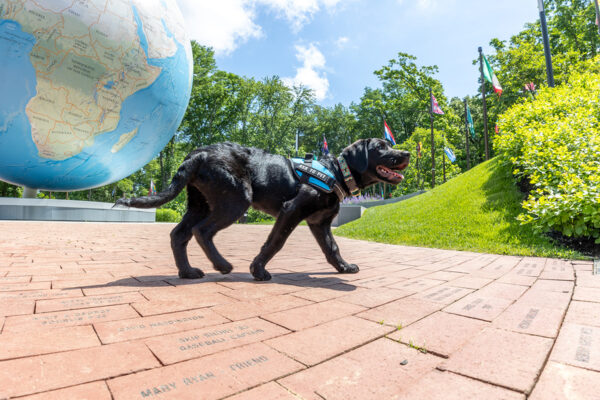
450	154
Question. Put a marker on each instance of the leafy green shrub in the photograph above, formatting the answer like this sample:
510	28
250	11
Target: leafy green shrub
554	142
255	216
167	215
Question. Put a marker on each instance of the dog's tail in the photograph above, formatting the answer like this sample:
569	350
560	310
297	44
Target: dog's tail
179	181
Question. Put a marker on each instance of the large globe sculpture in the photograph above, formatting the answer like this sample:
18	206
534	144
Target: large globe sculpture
90	90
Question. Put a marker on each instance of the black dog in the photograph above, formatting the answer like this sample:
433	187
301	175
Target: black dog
224	179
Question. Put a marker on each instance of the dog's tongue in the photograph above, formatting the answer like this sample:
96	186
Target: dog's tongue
388	173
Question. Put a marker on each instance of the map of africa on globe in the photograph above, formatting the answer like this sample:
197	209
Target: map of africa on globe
90	90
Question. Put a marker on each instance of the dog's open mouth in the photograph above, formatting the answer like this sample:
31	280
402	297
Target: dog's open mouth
391	175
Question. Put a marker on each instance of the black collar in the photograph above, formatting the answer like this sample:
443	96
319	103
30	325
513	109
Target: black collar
348	178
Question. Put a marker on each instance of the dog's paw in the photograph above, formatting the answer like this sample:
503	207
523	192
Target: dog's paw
192	273
349	269
262	275
224	269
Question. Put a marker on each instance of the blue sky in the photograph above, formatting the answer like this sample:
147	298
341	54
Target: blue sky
333	46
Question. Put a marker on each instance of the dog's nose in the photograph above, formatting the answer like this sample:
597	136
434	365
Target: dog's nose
406	154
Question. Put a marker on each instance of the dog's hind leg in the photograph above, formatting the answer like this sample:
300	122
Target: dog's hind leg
222	215
181	235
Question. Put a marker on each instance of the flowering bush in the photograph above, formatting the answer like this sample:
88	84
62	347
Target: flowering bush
361	199
554	143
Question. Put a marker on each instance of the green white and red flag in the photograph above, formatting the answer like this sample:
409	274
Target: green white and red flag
489	75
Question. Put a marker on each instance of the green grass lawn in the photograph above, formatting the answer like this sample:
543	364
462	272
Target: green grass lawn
475	211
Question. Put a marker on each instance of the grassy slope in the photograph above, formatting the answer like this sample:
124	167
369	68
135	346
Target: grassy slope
475	211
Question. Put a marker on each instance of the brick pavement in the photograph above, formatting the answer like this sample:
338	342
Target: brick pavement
96	311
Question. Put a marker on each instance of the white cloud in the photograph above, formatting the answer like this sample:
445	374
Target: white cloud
342	42
226	24
310	74
298	12
223	24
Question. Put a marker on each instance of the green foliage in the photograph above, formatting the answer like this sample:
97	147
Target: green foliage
255	217
553	142
418	174
476	211
167	215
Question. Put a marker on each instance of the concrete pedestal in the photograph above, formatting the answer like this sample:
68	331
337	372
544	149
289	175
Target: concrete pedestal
70	210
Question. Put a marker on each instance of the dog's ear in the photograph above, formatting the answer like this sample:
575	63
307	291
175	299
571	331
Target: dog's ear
357	155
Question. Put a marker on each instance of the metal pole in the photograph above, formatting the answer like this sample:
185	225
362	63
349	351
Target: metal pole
418	169
549	72
444	156
485	118
432	140
296	142
597	15
467	137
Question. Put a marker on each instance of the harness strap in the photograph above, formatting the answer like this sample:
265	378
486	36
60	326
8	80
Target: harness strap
315	178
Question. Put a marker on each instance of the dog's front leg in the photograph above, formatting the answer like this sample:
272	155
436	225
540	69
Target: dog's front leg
322	232
287	221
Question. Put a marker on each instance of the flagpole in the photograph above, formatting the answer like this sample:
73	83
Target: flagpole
432	139
549	72
485	118
467	137
418	169
444	156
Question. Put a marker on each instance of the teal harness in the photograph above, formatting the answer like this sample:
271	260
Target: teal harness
313	173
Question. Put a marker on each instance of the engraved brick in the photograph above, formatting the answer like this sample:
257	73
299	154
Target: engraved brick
137	328
417	284
75	303
578	345
471	282
56	371
380	281
444	275
121	286
201	342
319	343
560	382
314	314
503	358
531	319
443	294
41	294
88	391
15	279
553	286
68	318
372	371
15	345
373	297
212	377
15	287
478	306
583	313
248	309
558	270
401	312
440	333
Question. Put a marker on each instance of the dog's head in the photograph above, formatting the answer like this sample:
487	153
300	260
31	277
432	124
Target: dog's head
374	160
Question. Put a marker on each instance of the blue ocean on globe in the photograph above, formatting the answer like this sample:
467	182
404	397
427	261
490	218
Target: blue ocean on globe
153	113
